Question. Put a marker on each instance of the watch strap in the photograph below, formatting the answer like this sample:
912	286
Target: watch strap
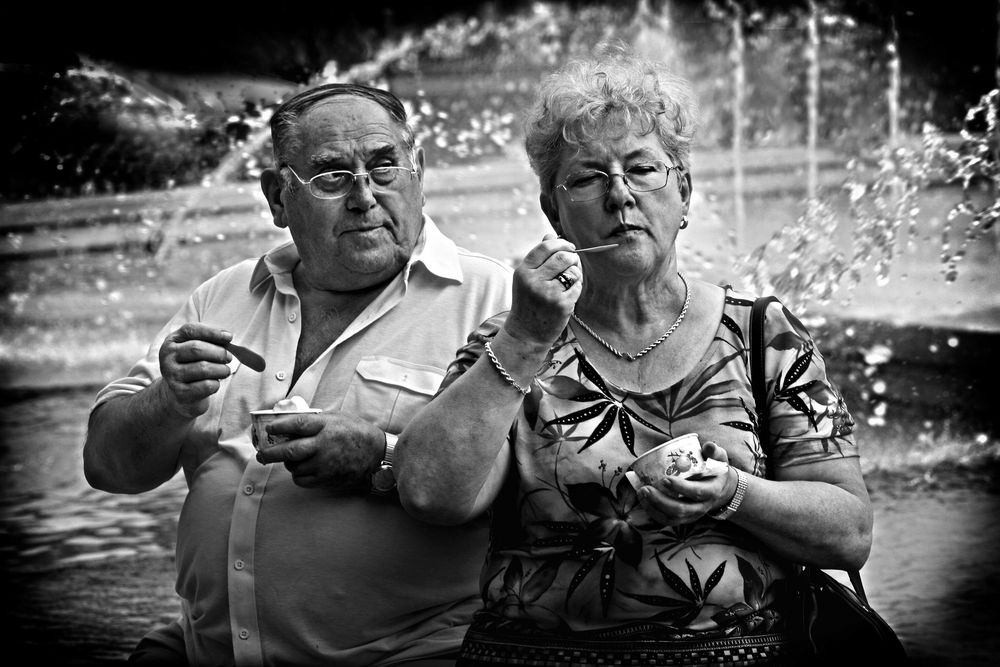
390	449
730	508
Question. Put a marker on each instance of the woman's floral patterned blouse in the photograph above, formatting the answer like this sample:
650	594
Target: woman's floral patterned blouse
571	547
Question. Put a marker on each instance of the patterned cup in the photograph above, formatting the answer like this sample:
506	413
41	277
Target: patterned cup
680	456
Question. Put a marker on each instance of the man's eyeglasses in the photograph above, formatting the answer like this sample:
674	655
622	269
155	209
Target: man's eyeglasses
337	184
594	184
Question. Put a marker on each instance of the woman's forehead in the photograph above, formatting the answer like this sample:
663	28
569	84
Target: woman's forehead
613	146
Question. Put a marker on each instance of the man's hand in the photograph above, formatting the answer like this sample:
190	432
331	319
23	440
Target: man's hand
192	362
329	449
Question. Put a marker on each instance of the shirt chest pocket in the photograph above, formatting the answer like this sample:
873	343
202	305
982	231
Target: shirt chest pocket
388	392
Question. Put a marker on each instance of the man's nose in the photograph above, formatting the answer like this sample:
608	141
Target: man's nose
361	194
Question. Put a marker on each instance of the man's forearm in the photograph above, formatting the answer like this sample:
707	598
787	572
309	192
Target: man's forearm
133	442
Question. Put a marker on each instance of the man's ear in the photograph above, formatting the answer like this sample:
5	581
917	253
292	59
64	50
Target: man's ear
271	184
551	211
418	156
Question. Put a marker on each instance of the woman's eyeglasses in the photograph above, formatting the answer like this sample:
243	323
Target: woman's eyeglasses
594	184
337	184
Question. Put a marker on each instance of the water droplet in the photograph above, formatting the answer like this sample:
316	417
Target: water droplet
933	347
953	341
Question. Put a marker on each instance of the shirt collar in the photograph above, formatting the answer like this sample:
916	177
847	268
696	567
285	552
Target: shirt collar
435	252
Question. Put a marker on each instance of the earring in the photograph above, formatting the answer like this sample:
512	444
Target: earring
684	222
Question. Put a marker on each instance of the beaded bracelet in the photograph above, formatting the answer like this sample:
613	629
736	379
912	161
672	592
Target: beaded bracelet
503	371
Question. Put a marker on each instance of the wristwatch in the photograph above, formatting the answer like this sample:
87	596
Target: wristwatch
734	503
383	479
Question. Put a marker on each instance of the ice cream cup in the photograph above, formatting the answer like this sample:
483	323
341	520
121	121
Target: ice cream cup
681	457
261	418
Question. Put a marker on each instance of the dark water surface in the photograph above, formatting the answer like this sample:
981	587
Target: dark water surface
934	572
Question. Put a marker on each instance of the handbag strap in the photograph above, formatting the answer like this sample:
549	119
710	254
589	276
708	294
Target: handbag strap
758	384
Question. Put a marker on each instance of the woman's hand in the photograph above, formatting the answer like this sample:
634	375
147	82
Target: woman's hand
542	302
675	500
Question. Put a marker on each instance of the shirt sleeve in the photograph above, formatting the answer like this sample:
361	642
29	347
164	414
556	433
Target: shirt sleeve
808	418
473	348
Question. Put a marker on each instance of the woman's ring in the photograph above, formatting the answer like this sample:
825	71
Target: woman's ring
565	280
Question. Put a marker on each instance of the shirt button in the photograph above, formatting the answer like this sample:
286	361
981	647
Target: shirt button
244	634
239	564
292	317
248	489
280	375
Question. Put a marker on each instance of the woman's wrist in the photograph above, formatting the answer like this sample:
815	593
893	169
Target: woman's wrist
731	506
519	357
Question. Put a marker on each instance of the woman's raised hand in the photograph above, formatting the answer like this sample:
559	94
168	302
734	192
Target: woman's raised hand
546	286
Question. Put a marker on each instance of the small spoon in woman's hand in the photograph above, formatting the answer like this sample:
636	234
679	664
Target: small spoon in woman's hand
247	357
596	248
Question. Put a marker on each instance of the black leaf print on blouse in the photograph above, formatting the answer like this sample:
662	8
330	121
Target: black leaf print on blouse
681	612
616	410
735	328
732	300
789	393
750	425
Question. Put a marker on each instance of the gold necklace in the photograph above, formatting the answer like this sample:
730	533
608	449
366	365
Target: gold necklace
666	334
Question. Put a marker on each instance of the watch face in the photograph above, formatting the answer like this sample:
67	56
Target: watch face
383	480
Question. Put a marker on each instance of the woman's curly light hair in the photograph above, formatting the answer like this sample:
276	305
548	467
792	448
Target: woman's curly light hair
591	99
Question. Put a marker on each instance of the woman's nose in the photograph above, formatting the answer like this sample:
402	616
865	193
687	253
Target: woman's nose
619	194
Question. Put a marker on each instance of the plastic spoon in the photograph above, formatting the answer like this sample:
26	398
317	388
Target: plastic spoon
596	248
247	357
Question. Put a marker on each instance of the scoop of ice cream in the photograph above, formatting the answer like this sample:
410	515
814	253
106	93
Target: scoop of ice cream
291	404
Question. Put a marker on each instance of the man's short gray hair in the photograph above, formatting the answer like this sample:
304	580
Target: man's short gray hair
587	99
285	137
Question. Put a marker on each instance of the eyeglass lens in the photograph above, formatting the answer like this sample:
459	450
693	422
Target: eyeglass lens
334	184
593	184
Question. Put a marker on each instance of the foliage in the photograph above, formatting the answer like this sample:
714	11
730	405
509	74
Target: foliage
468	78
96	132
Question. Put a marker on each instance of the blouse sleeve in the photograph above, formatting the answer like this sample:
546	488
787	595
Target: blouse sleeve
473	348
808	418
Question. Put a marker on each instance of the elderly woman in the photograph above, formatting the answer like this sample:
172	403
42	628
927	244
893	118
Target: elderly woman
603	356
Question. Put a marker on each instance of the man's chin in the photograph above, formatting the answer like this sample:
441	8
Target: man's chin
374	265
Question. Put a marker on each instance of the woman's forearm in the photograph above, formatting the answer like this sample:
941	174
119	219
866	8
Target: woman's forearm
825	523
452	457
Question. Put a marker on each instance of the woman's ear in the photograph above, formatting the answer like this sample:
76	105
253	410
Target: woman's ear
684	188
551	212
271	184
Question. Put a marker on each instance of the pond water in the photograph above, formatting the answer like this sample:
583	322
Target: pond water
933	572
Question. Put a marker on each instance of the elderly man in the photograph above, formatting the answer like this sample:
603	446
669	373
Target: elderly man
294	555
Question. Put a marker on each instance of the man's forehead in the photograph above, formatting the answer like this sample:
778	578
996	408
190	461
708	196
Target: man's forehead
349	123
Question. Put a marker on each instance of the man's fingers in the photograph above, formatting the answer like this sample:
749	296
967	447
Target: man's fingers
199	371
199	350
289	452
297	425
195	331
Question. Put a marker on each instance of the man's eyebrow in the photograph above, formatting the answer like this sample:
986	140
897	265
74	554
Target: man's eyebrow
384	150
328	161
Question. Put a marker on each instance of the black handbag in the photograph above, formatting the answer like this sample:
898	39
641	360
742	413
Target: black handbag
836	623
